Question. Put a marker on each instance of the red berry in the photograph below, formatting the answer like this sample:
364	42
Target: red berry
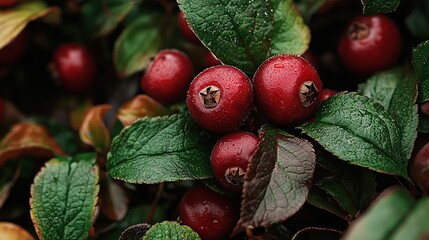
287	89
210	60
74	66
420	169
12	52
185	29
370	44
326	93
168	76
210	214
8	3
220	98
424	107
230	157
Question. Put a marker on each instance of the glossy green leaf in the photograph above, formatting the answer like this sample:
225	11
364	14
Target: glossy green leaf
421	65
290	34
14	20
360	131
372	7
154	150
101	17
170	231
63	198
137	43
396	90
278	179
245	33
395	215
341	188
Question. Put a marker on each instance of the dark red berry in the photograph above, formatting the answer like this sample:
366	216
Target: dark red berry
210	60
13	51
287	89
230	157
168	76
8	3
210	214
326	93
220	98
370	44
74	66
420	169
185	29
424	108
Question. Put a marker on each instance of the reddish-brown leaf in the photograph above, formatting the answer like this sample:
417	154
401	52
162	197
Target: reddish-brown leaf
138	107
94	131
11	231
28	139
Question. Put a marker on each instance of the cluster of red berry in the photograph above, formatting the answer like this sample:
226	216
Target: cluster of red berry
286	90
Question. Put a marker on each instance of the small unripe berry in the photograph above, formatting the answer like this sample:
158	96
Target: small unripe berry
220	98
210	214
168	76
370	44
74	66
230	157
287	90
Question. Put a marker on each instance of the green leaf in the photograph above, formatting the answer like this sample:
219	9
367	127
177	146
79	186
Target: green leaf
278	179
309	7
423	123
395	215
421	65
14	20
170	231
372	7
63	198
154	150
418	20
137	43
396	91
341	188
290	34
135	215
360	131
245	33
101	17
237	32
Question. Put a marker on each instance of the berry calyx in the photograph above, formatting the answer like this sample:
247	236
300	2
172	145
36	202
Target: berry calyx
370	44
210	214
287	89
185	29
230	157
168	76
220	98
74	66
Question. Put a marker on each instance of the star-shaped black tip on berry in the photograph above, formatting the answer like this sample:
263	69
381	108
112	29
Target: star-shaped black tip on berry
235	175
308	93
210	96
